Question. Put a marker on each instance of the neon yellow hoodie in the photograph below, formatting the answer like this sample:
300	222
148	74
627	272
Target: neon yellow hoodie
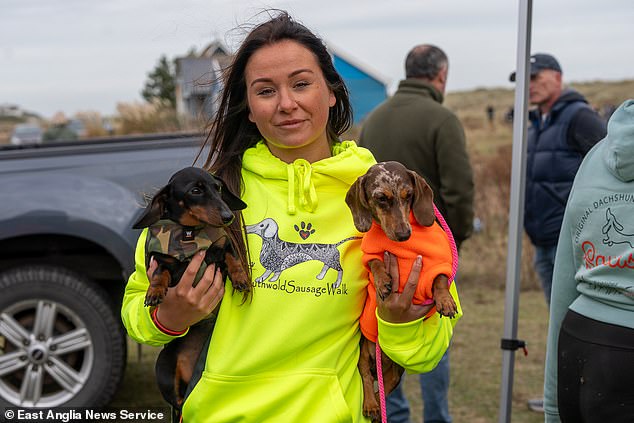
291	354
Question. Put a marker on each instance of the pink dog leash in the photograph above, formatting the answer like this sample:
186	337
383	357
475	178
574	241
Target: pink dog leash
454	269
379	376
452	244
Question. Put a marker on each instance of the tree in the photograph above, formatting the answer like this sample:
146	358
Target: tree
161	83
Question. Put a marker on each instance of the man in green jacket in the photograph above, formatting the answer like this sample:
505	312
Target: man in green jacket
412	127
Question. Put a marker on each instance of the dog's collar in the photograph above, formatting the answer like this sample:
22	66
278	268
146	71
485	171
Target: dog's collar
168	223
171	238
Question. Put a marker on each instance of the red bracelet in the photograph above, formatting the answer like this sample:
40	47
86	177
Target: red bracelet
163	328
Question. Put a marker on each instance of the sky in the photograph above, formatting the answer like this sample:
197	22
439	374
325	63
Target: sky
87	55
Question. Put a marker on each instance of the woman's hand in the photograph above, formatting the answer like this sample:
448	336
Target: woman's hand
184	304
398	308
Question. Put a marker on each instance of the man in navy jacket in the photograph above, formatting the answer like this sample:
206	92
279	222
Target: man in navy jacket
563	129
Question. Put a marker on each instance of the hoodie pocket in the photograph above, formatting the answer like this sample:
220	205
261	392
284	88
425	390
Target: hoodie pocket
312	395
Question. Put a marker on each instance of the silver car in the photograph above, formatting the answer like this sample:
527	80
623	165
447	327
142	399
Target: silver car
26	133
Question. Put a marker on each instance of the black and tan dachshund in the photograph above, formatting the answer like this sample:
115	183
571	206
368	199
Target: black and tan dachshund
189	214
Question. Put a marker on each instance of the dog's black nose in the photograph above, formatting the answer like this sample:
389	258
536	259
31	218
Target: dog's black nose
402	236
227	218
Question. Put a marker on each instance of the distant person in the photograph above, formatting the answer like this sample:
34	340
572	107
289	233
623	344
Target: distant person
563	128
490	112
107	126
413	127
59	130
590	350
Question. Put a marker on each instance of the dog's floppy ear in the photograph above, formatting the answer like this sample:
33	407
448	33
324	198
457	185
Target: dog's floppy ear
358	204
423	201
154	210
233	201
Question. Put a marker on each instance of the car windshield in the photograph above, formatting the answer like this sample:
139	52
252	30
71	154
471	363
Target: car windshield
76	126
30	130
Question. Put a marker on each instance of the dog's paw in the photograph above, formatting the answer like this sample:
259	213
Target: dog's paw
241	285
446	306
384	287
372	411
240	280
154	296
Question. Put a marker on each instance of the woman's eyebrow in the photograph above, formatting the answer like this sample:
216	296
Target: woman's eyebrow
292	74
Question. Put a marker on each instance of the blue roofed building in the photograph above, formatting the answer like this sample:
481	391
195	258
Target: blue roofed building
367	90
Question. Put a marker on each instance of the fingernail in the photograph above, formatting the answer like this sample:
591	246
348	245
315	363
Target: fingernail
201	253
419	259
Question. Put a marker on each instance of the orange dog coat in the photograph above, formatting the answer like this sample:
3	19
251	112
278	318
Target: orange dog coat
430	242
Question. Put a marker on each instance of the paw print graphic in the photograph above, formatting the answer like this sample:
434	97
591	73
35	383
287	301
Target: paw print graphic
304	230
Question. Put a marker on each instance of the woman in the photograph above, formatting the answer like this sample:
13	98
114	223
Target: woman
290	352
590	352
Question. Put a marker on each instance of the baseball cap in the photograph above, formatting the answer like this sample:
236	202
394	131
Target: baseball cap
539	62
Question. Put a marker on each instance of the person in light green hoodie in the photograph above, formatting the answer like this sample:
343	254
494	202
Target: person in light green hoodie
289	353
590	349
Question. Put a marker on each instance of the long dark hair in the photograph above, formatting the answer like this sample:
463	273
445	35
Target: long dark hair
231	133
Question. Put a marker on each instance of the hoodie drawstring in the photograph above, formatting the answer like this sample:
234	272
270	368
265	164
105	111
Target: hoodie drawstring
307	194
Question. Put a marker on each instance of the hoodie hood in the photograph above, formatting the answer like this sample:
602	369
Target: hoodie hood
568	95
347	163
619	143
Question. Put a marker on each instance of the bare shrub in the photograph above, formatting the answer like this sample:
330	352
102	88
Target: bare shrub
484	256
93	123
473	122
144	118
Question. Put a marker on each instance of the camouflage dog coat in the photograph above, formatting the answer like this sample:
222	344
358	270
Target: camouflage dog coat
174	245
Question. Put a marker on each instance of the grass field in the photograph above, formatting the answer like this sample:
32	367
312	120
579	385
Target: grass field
476	357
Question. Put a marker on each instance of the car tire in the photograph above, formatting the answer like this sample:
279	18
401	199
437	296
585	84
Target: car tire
61	340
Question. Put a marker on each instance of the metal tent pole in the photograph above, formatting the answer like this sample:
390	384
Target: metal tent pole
516	210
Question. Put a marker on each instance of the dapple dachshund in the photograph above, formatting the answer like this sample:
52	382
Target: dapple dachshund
394	206
189	214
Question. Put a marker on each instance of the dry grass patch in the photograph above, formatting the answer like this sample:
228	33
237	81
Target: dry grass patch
476	358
